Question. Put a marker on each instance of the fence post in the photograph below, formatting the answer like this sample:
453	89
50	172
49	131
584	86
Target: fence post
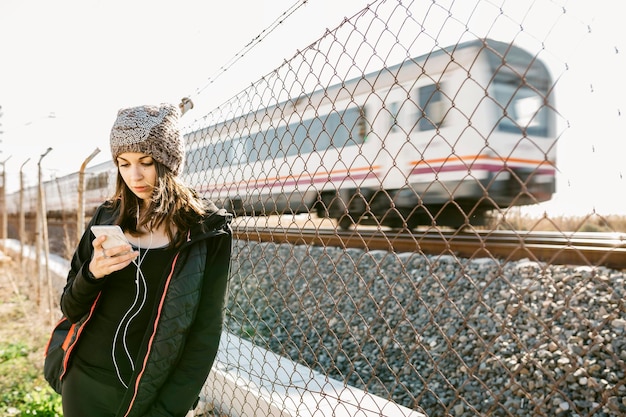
22	225
80	210
3	208
42	237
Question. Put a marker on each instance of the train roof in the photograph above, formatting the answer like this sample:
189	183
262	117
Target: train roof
506	58
499	54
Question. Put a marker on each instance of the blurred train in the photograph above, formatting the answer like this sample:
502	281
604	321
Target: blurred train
438	140
61	194
441	139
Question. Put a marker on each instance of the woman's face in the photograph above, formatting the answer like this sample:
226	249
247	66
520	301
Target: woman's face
139	173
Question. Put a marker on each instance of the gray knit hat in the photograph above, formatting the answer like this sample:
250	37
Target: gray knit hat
152	130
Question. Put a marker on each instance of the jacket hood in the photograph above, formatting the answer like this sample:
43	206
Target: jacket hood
211	223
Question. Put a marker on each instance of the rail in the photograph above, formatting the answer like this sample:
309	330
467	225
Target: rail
556	248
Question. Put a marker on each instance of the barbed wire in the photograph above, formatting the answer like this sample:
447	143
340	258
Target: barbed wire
249	46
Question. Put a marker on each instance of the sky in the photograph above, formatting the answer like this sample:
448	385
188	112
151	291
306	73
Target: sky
67	66
81	61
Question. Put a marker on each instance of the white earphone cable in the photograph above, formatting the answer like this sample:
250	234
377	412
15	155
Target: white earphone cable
124	322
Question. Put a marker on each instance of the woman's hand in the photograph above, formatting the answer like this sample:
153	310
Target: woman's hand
106	261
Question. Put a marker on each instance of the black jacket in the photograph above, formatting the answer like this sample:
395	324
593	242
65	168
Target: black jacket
180	347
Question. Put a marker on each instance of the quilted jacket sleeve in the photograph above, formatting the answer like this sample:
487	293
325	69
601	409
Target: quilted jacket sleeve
80	291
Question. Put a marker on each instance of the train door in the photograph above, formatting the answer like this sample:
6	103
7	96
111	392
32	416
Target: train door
395	134
391	149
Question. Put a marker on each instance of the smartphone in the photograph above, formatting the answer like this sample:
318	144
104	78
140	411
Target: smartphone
115	235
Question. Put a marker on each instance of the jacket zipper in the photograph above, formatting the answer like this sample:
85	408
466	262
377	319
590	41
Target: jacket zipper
154	329
212	233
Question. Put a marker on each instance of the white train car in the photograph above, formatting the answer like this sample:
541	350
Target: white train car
61	194
100	181
439	140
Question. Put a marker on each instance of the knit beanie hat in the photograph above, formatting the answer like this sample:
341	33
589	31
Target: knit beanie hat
152	130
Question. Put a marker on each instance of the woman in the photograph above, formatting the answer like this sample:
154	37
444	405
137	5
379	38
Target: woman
148	315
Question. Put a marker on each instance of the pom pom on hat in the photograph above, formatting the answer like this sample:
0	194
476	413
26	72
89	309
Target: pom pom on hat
152	130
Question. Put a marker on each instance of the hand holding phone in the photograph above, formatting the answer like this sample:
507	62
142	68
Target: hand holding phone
115	236
119	248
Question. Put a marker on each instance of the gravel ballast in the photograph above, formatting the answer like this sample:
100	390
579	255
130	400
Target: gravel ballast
444	335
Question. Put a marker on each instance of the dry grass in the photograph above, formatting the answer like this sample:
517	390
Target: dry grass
22	317
589	223
23	336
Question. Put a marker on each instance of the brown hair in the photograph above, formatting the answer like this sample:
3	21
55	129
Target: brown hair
174	205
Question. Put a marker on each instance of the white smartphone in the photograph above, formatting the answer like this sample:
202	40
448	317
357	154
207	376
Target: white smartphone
115	235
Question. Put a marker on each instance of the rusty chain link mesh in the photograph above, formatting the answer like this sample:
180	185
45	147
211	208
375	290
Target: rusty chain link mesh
369	175
408	116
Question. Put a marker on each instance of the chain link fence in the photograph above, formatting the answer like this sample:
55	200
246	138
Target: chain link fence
412	115
408	117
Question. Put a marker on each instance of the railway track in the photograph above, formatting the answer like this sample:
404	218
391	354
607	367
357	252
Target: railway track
592	249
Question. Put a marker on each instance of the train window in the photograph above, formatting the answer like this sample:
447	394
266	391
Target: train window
301	138
394	109
292	138
251	151
319	134
237	152
96	182
191	161
261	146
274	141
216	157
357	125
432	105
334	130
255	147
522	107
284	141
362	125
